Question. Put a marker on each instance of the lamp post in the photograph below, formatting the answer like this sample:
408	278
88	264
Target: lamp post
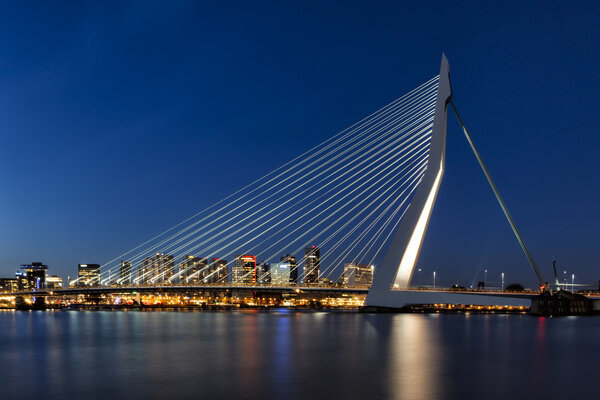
433	280
503	281
573	283
485	279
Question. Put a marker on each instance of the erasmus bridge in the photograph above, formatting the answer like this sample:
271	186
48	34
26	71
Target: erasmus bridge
363	197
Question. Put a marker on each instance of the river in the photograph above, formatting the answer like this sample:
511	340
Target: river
295	355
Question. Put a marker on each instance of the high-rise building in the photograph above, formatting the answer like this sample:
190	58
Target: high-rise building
263	273
145	271
192	270
244	270
167	269
217	271
311	264
185	268
32	276
88	275
125	273
156	270
293	268
280	273
357	275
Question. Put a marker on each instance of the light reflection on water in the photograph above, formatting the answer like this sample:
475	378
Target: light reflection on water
291	355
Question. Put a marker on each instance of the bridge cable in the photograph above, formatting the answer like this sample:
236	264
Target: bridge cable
499	198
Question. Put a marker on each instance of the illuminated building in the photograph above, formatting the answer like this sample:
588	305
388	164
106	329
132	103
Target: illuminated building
192	270
157	269
263	273
9	285
217	271
125	276
311	264
291	260
185	267
32	276
280	273
145	271
357	275
54	282
244	270
88	275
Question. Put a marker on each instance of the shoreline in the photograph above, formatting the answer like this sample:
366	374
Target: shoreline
266	309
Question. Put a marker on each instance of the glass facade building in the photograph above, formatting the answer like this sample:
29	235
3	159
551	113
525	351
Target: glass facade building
311	264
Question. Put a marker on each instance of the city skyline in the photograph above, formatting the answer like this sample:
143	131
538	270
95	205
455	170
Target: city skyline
78	172
299	200
161	269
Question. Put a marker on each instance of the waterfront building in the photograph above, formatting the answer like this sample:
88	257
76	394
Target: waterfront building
293	268
125	273
8	285
217	271
244	269
145	271
167	268
88	274
263	273
183	270
32	276
54	282
357	275
157	269
192	270
280	273
311	264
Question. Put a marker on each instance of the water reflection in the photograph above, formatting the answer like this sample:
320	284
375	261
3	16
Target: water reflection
121	355
416	358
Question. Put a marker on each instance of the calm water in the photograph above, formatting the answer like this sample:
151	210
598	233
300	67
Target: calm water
286	355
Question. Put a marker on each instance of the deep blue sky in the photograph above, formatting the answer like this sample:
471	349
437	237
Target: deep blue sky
120	119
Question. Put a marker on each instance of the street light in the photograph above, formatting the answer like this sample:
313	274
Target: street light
485	279
573	283
503	281
433	280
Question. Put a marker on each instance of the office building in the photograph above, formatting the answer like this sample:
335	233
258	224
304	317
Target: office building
357	275
192	270
244	270
217	271
280	273
125	273
156	270
32	276
311	264
54	282
293	268
263	273
88	275
9	285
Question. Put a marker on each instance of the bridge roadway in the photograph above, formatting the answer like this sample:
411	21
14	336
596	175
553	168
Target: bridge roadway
190	288
409	296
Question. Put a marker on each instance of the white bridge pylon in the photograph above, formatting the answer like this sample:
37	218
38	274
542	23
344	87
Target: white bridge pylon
390	288
396	270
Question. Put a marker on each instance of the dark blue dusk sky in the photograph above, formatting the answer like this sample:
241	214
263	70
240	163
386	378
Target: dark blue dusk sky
120	119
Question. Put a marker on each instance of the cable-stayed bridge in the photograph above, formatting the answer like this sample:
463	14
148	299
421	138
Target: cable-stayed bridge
351	210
